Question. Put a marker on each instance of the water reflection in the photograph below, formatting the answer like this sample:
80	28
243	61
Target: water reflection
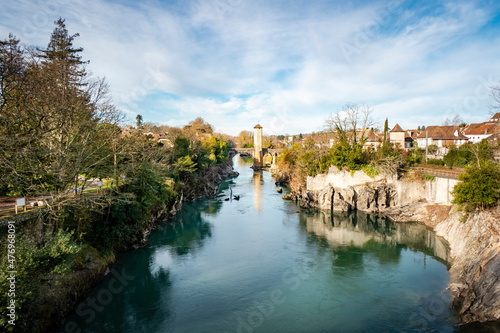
257	181
212	207
189	229
369	232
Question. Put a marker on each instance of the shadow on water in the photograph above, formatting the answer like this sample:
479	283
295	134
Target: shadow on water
188	230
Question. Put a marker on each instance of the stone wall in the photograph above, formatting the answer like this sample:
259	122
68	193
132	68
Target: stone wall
341	179
342	191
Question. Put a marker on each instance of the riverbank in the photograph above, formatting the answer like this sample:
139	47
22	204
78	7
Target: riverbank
54	269
474	243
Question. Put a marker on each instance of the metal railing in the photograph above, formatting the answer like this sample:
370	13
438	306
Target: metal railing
452	174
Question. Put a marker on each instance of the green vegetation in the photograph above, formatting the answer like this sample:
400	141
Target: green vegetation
54	257
480	186
58	129
468	154
432	149
433	161
429	177
371	170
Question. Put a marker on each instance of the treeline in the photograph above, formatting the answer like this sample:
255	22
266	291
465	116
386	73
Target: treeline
480	186
59	129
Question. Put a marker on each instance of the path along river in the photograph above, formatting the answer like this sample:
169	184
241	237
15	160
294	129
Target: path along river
260	264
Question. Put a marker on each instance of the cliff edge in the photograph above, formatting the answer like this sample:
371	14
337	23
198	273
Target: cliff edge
475	272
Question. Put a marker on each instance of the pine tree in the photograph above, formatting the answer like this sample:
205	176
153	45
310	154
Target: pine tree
60	52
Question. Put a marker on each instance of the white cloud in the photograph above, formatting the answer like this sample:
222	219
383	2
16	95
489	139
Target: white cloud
286	65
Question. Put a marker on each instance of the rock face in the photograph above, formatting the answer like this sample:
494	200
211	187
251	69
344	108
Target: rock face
475	273
368	198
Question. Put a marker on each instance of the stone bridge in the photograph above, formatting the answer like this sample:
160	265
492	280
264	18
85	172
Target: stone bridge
262	157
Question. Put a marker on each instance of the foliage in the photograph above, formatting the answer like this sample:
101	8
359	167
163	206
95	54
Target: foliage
386	150
217	150
468	154
351	124
458	157
480	186
245	139
429	177
50	116
36	264
434	161
371	170
432	149
350	156
58	127
386	130
415	156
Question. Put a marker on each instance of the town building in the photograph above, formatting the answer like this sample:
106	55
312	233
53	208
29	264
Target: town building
441	136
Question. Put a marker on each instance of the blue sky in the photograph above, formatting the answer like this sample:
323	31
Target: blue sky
285	64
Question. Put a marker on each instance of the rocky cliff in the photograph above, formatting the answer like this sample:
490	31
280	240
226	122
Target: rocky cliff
343	191
475	272
474	244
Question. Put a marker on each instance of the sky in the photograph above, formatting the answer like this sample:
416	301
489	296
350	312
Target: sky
284	64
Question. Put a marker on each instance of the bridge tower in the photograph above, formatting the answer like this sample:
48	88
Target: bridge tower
258	156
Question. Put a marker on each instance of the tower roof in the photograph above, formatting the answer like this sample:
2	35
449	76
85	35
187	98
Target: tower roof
397	128
258	126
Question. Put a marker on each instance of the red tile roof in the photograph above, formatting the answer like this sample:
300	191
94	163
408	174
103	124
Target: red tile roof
482	128
442	132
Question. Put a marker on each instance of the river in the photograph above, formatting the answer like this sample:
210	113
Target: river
261	264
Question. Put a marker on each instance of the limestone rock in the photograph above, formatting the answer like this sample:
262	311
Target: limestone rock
325	197
343	199
474	275
367	199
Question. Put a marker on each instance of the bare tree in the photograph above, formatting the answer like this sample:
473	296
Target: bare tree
352	123
495	95
457	120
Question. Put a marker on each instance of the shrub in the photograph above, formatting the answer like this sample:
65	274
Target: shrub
349	156
458	157
414	156
428	177
480	186
371	170
432	149
434	161
36	265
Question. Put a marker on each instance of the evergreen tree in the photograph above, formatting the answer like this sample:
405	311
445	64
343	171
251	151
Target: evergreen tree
386	129
61	53
12	70
138	121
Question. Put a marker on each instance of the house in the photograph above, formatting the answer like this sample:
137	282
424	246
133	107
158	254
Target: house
397	136
495	118
441	136
165	140
373	140
479	131
410	137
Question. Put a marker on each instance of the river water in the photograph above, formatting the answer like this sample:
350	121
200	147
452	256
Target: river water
260	264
